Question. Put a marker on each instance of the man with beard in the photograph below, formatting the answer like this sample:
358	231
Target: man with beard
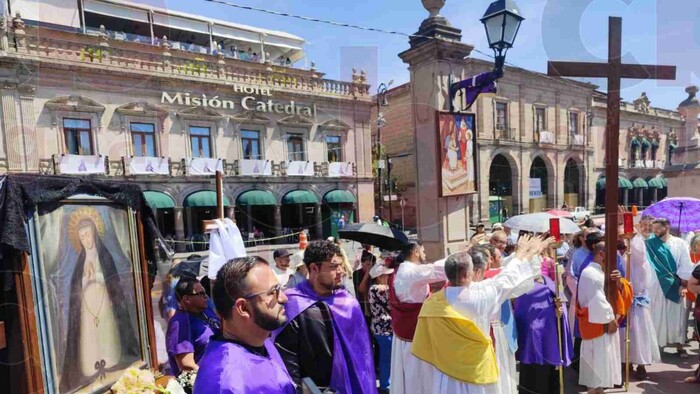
325	338
644	347
249	299
669	257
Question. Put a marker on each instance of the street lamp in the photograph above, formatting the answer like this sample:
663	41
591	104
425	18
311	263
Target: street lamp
502	22
381	102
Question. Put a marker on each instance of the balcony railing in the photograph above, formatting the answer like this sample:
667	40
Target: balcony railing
73	49
546	137
158	166
504	133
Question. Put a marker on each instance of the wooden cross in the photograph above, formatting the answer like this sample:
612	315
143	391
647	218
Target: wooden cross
614	71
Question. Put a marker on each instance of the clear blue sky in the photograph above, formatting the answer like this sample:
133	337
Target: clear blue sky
553	30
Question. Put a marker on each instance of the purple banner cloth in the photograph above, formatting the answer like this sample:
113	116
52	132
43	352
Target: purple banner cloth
474	86
227	367
353	359
536	321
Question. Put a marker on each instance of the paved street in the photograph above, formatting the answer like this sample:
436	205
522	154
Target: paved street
665	377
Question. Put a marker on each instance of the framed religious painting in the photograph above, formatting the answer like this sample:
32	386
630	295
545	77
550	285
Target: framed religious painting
456	153
87	276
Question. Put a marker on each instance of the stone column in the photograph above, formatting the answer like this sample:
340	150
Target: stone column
318	221
278	221
31	151
433	63
13	133
249	218
179	228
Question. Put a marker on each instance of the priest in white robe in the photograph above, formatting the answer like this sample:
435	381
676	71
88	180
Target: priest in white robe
669	259
454	325
644	347
409	286
600	349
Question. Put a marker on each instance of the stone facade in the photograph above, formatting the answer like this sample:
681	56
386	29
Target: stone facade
684	173
50	76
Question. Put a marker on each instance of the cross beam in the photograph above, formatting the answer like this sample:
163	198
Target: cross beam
614	70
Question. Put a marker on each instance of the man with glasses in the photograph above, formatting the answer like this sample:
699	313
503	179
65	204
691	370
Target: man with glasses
242	359
190	327
325	338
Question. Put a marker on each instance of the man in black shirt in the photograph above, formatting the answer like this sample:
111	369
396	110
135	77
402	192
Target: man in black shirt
326	336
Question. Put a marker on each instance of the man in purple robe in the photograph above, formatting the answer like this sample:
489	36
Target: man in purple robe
325	338
243	359
536	315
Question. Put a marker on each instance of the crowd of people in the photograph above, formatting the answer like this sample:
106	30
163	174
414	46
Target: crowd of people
467	323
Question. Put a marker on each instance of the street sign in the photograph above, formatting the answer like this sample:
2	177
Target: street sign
381	164
402	202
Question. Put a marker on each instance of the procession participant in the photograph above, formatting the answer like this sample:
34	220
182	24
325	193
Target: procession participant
670	261
326	337
598	323
536	315
453	326
499	239
282	268
300	270
190	327
249	299
408	289
644	347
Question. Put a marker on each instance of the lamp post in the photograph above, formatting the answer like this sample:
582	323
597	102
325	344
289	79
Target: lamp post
502	22
381	102
390	183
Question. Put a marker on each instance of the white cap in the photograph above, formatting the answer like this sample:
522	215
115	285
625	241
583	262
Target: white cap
380	269
497	226
297	259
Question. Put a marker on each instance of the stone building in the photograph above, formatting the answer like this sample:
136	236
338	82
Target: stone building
648	137
684	172
131	93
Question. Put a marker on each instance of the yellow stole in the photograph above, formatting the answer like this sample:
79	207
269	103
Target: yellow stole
453	344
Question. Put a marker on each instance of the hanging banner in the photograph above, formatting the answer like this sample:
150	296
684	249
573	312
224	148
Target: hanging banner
82	165
300	168
255	167
149	166
535	187
204	166
546	137
340	169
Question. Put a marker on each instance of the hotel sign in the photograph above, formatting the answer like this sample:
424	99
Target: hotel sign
249	102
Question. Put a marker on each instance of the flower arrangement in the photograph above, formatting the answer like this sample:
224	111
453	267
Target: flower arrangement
186	380
143	381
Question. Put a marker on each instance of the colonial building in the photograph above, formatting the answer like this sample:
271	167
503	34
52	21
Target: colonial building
540	145
684	172
534	145
127	92
648	137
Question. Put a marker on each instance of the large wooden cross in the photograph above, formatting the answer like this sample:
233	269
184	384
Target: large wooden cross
614	71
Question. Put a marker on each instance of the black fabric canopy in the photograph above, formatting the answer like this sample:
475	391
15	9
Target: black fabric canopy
21	193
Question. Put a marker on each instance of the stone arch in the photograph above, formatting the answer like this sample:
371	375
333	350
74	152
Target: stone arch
574	182
503	189
279	194
541	167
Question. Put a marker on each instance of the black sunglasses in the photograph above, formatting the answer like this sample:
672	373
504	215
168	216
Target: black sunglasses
198	294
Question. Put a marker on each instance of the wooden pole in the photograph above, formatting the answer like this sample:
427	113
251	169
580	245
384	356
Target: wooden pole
29	332
146	286
559	336
628	255
219	195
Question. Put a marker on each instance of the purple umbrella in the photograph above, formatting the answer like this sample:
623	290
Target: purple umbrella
682	212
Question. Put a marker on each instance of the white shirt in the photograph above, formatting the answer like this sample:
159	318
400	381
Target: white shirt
412	280
591	294
283	274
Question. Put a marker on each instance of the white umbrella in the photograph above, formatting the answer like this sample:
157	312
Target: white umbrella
539	223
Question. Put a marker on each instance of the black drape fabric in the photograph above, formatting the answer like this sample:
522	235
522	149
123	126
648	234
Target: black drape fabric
22	193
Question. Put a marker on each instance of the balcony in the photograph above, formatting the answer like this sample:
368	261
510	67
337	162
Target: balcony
505	133
70	50
546	137
160	166
577	140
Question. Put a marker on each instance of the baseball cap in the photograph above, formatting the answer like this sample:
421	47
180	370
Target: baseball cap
280	253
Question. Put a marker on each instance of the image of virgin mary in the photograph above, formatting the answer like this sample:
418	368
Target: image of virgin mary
101	337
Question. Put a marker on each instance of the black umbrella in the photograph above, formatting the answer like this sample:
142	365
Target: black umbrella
373	234
189	268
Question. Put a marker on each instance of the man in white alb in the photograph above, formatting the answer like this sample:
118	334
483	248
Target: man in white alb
671	268
408	289
644	347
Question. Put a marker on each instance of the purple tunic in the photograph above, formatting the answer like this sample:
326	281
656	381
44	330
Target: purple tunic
188	334
353	359
536	320
228	367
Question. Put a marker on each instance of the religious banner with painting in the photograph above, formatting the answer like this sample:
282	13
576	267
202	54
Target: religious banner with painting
86	270
456	153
